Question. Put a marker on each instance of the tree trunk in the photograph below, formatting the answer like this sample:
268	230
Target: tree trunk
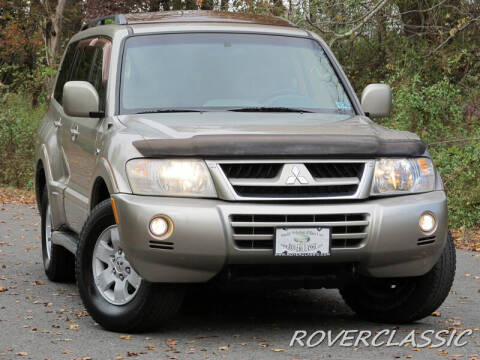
207	5
383	44
177	4
278	8
53	31
155	5
191	5
312	12
165	5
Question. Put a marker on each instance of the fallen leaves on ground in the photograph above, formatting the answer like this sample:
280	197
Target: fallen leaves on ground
126	337
467	240
16	196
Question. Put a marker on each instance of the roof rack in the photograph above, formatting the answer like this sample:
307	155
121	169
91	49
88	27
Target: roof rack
179	16
118	19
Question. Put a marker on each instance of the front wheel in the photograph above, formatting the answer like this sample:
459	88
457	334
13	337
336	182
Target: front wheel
403	300
113	293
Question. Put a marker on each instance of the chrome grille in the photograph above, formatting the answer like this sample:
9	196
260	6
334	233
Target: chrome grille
335	170
295	191
257	231
251	170
293	179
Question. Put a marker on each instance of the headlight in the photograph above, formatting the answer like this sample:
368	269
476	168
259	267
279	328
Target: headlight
397	176
170	177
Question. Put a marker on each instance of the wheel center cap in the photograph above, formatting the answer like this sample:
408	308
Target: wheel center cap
120	265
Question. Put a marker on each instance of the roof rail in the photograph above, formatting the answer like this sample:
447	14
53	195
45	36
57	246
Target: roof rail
118	19
178	16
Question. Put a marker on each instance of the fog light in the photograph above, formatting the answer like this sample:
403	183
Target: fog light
161	226
427	222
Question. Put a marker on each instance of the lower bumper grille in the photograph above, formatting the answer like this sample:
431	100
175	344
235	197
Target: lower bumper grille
426	240
258	231
295	191
163	245
284	276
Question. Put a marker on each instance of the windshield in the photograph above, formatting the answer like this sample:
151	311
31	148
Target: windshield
238	72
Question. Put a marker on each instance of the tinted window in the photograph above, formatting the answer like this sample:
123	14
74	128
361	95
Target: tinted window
91	65
64	73
228	71
97	78
83	64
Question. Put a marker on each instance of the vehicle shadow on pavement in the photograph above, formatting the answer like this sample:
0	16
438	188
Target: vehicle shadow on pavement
292	308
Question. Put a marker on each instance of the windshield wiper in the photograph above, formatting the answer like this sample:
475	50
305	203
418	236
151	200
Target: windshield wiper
166	110
270	109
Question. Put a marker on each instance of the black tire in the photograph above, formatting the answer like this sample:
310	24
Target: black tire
412	299
60	267
152	305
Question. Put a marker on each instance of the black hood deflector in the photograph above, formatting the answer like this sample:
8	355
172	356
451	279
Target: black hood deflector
280	146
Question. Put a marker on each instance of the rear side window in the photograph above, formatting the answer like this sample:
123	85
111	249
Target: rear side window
64	73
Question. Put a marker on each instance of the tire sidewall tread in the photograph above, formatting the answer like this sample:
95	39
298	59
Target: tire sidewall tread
152	305
429	293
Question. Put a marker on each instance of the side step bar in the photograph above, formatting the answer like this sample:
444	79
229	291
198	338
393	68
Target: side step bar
67	240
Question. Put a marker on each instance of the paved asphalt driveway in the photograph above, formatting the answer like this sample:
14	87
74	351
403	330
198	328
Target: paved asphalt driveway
40	319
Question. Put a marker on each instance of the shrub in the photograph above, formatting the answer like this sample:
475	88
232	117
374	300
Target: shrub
18	125
448	122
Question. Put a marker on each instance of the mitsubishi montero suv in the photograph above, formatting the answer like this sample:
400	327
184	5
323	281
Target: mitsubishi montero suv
208	147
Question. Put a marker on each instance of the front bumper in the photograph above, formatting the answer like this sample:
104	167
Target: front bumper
203	239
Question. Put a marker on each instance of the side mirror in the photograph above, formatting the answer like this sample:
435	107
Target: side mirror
80	99
377	100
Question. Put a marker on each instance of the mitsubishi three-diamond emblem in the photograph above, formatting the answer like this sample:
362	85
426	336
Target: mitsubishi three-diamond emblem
296	177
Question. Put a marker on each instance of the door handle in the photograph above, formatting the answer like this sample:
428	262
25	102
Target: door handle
57	122
74	132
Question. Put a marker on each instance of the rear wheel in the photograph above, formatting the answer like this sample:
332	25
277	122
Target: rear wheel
58	262
403	300
114	294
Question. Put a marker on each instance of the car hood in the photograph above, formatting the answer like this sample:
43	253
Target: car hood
268	134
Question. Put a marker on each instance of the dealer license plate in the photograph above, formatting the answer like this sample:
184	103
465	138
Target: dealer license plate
302	242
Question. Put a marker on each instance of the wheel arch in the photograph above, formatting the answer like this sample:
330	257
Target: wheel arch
40	182
55	186
100	192
103	185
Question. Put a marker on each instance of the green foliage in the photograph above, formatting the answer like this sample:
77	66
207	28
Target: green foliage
438	98
459	165
437	114
427	51
18	124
